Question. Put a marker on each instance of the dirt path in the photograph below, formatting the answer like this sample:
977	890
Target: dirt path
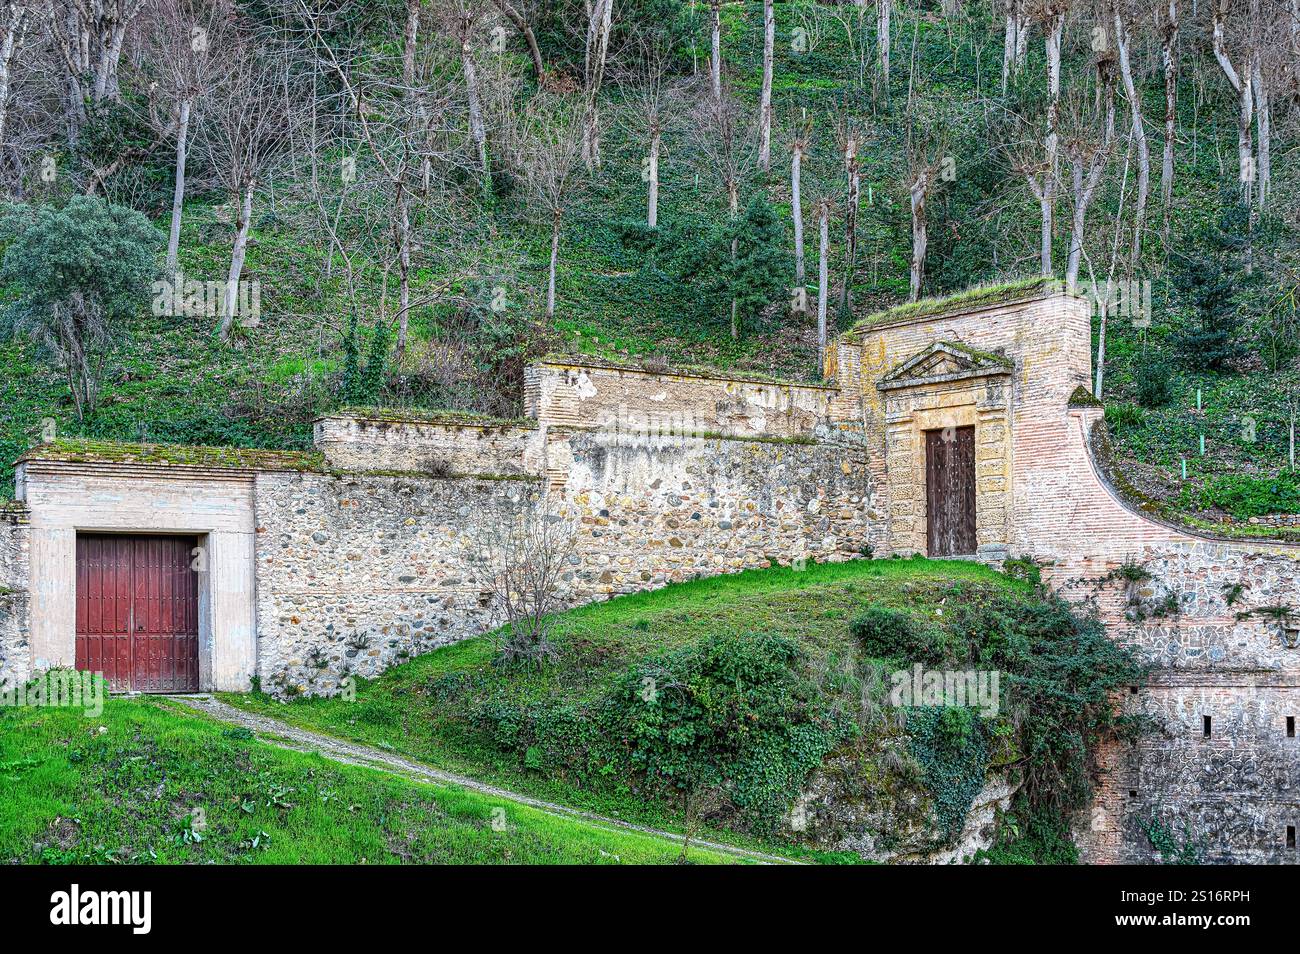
288	736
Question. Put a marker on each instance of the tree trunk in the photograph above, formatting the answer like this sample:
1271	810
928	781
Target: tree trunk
715	59
1241	84
850	224
765	98
409	34
1169	57
652	202
1139	138
796	213
1263	125
403	267
920	239
555	256
598	29
1009	38
236	262
477	130
883	39
733	202
1291	437
1101	350
1084	188
7	44
530	38
178	192
1052	45
823	276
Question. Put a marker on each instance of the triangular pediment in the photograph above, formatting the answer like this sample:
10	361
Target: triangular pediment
944	361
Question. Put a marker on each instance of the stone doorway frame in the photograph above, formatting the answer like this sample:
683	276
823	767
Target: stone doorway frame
948	385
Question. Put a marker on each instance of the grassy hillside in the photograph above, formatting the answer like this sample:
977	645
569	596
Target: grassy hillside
714	700
624	291
145	784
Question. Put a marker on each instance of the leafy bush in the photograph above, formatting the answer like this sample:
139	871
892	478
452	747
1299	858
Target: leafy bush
733	715
1155	385
892	634
733	722
83	271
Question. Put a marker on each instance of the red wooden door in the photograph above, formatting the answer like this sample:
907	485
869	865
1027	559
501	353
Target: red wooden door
950	491
138	611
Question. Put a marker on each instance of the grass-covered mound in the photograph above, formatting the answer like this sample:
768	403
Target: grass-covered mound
718	700
142	783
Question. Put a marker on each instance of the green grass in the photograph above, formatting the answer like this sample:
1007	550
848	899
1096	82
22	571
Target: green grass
406	710
126	787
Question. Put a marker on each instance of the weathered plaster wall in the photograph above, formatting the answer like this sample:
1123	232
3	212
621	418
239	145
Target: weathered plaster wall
15	660
642	402
428	447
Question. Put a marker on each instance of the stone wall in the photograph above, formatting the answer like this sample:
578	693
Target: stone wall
443	447
1232	793
656	512
15	656
1211	652
359	572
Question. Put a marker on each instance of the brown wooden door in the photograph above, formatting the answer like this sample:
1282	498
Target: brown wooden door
950	491
138	611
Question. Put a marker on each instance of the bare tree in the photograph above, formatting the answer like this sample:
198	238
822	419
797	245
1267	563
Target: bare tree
1241	77
242	135
551	146
715	47
1168	25
798	148
523	555
884	40
1087	149
89	36
1040	170
181	43
850	139
1015	41
517	18
725	144
765	97
824	207
1139	134
464	20
653	102
928	165
14	22
599	26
